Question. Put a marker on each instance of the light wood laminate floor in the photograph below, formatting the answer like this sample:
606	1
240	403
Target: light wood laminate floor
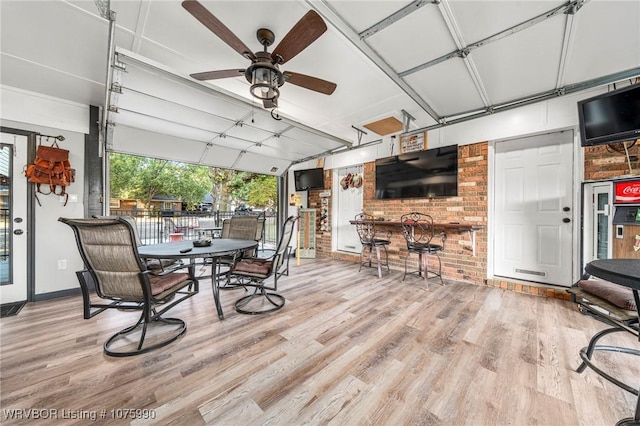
347	349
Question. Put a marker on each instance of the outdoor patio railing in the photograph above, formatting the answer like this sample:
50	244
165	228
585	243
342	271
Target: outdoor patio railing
152	225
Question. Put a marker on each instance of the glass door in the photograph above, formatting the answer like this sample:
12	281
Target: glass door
602	222
598	221
6	165
13	219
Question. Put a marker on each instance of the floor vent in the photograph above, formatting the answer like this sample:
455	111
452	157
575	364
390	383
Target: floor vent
11	309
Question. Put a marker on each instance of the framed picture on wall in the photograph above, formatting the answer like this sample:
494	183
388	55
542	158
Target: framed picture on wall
417	142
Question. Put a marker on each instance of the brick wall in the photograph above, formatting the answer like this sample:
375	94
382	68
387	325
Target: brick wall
470	206
601	162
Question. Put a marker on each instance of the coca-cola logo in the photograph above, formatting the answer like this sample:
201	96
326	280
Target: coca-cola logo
627	192
631	190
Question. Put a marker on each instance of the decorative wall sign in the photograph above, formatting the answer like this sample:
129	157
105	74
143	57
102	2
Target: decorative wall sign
295	200
413	143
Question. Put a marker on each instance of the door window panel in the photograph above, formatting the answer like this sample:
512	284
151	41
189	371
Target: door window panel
6	169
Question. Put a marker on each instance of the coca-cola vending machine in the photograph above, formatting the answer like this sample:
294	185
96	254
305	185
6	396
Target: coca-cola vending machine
626	219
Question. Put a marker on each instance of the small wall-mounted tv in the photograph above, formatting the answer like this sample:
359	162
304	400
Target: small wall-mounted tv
309	179
421	174
611	117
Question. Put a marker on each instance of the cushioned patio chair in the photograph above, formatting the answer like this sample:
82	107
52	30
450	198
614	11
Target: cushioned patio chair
241	227
254	271
113	266
156	265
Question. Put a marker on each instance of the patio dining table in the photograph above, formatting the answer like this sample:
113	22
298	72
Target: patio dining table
186	250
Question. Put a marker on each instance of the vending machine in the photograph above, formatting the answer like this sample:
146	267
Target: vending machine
626	219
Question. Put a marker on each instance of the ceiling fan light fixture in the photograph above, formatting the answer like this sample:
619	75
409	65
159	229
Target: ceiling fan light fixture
264	74
265	80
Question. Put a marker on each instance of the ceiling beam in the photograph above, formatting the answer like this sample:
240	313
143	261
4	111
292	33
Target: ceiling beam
456	35
570	7
141	23
543	96
384	23
330	15
104	8
567	45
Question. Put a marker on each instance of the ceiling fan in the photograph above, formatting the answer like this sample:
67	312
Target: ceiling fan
264	73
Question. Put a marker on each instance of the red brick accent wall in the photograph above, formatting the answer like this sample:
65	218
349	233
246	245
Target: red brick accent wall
600	162
470	206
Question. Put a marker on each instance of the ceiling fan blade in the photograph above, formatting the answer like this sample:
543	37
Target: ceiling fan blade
304	32
214	75
218	28
311	83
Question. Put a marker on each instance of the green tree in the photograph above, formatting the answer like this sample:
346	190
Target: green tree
143	178
191	183
263	191
254	189
122	168
220	179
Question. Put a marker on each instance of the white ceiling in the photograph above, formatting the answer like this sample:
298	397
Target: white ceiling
384	56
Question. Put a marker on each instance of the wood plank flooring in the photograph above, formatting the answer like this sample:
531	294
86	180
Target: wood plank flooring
347	349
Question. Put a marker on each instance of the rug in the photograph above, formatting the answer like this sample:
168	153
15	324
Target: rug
11	309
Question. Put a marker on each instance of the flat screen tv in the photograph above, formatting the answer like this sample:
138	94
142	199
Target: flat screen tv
309	179
422	174
611	117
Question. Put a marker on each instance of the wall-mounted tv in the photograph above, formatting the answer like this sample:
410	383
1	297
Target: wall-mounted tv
309	179
421	174
611	117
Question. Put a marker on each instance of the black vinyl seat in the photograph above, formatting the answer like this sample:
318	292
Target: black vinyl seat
366	228
418	230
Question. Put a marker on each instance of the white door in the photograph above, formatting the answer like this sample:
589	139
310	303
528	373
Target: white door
13	204
533	208
347	204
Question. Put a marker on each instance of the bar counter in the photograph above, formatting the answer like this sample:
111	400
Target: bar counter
453	226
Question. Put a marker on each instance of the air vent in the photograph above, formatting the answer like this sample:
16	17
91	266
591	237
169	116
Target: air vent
524	271
273	169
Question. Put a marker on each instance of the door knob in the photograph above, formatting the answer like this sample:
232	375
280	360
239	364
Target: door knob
566	220
18	232
17	220
566	209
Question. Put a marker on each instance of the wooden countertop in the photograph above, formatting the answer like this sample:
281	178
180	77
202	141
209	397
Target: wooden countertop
439	225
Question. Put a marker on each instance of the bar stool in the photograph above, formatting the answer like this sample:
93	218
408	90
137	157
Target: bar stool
366	228
418	231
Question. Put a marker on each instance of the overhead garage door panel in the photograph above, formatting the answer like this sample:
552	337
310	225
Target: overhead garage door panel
171	112
157	145
157	113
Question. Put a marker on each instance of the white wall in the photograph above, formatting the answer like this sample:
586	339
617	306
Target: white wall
54	241
554	114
